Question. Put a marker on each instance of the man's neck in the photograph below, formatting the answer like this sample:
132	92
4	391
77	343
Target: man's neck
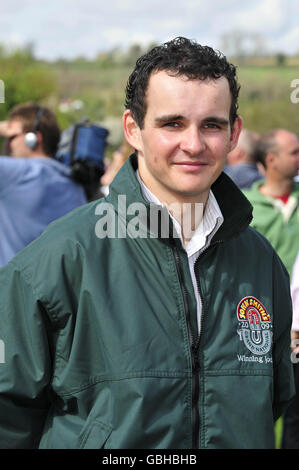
187	213
189	216
37	154
275	187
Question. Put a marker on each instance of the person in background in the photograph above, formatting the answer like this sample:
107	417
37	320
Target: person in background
276	215
275	199
290	438
241	164
119	157
35	189
295	300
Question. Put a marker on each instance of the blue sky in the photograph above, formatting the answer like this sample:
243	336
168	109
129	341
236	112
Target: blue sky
71	28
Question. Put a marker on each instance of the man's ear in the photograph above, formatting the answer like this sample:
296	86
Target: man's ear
236	130
39	137
132	130
270	159
39	148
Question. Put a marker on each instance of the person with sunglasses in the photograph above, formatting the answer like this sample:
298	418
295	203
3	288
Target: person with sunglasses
35	189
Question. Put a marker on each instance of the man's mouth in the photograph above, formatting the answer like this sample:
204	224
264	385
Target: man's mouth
191	165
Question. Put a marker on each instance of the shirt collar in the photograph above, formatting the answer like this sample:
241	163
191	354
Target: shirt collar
210	223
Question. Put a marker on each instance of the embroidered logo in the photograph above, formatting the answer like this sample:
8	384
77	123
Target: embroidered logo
254	325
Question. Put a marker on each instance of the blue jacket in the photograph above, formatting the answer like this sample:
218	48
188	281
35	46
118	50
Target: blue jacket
243	174
33	193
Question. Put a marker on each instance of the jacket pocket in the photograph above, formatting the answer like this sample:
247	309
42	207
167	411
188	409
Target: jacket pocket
94	436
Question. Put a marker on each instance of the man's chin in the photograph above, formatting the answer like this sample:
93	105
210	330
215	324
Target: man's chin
193	195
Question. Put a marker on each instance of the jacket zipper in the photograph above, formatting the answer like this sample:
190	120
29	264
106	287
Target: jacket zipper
194	344
194	341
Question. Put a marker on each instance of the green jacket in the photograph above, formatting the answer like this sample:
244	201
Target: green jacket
279	225
101	342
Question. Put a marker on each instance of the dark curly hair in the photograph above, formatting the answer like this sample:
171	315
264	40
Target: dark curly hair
179	57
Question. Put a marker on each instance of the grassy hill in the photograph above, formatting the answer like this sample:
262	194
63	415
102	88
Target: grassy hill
99	87
264	97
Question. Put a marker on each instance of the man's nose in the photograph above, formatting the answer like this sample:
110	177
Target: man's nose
192	142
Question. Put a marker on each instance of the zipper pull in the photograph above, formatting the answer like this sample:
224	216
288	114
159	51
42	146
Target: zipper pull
195	360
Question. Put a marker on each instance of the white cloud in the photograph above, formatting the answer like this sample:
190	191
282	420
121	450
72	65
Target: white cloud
288	42
15	40
84	27
169	24
115	35
119	37
268	16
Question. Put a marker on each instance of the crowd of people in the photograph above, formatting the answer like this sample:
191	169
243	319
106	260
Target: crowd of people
152	341
273	191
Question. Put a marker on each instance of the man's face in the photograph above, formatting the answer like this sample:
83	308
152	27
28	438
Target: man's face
186	136
287	156
17	145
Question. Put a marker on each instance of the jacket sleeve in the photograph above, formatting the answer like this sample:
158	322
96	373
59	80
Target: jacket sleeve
25	361
284	388
11	170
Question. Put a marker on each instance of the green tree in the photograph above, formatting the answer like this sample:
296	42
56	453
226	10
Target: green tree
25	79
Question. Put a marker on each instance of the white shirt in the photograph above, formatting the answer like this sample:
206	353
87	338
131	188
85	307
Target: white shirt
211	221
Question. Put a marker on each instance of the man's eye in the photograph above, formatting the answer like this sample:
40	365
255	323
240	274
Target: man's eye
211	125
171	124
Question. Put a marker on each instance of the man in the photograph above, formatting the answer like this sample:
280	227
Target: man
276	199
295	298
276	215
162	340
291	418
241	162
35	189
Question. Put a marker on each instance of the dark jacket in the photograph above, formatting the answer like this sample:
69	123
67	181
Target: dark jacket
101	342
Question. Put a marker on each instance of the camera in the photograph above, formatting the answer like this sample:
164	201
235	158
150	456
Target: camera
82	148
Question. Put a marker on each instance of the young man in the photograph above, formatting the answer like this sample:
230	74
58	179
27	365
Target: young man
35	189
276	199
118	334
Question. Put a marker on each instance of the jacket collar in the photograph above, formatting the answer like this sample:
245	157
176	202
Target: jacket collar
256	196
235	207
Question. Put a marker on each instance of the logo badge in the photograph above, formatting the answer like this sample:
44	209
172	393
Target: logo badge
255	327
